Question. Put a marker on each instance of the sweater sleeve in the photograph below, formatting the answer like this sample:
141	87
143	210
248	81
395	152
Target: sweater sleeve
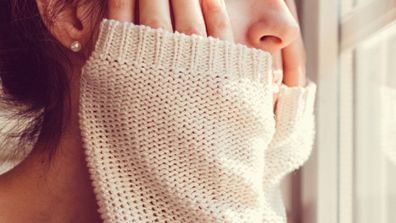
175	127
293	140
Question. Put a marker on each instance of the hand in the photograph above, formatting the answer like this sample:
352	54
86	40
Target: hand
199	17
294	57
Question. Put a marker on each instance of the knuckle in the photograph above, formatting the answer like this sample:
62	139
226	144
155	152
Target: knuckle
220	24
118	4
155	23
212	8
192	29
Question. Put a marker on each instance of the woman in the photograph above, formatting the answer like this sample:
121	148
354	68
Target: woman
172	127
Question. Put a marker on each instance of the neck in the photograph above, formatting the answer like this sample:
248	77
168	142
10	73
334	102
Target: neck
59	190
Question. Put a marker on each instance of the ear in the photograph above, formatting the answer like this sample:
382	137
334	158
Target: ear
67	22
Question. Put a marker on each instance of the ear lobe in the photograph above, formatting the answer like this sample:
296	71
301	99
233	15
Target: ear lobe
70	23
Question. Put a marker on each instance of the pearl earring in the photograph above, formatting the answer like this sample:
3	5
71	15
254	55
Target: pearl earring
75	46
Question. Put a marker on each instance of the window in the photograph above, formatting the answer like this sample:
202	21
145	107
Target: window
351	176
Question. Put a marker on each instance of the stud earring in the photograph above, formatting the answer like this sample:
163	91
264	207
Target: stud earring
75	46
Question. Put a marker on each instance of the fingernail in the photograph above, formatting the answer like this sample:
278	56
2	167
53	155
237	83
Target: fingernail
276	88
277	76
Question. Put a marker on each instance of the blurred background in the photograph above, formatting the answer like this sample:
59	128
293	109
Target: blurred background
351	176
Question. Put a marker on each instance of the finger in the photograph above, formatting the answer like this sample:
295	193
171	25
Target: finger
188	17
276	96
122	10
217	22
294	64
294	57
277	73
156	14
277	66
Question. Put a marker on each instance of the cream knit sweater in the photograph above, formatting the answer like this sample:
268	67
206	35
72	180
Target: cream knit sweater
181	128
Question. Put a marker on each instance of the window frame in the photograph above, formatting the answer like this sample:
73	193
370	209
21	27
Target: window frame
330	32
319	199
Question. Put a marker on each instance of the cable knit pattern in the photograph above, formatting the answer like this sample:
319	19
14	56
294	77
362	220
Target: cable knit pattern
177	128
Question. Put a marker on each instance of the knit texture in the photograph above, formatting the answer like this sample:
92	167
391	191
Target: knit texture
180	128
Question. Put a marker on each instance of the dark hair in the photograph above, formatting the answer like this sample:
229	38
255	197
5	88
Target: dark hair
33	73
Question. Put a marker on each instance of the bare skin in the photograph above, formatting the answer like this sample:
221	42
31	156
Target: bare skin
37	191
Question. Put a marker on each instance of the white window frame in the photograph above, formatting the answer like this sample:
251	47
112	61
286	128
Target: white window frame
320	174
327	33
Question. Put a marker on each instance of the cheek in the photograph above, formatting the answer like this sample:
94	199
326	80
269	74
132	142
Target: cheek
238	12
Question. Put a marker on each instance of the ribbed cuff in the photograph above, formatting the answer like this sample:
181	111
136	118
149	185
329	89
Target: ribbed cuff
295	102
143	45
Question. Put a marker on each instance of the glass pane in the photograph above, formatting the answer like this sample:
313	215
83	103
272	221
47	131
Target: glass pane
368	131
362	2
348	7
